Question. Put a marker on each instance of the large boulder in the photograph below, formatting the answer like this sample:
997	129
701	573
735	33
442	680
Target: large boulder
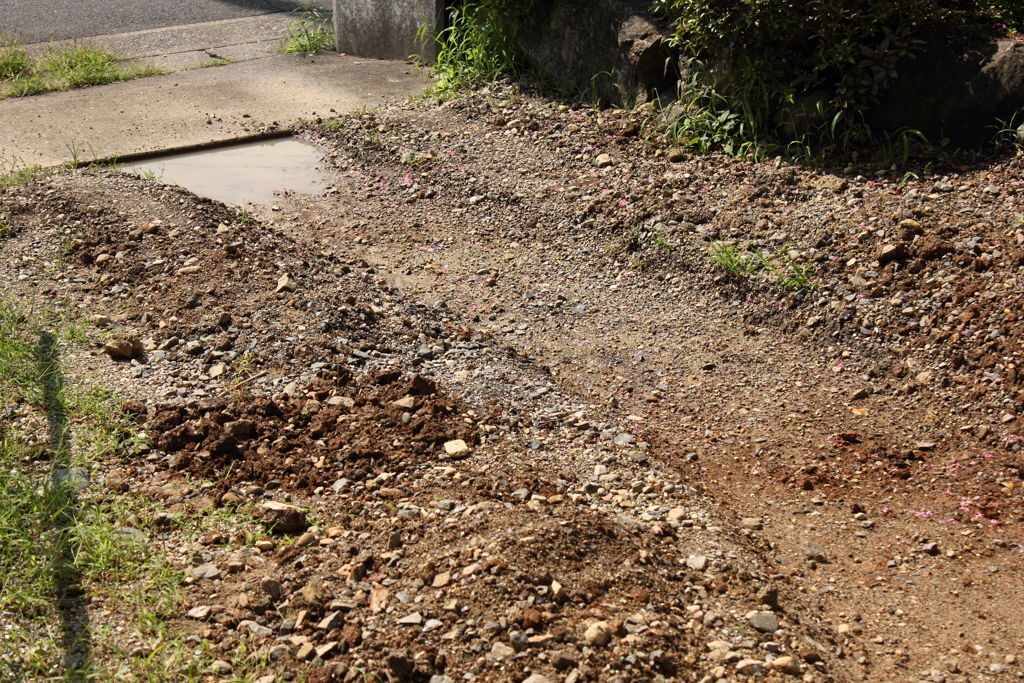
955	91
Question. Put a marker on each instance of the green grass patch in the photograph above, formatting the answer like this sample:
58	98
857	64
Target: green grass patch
62	68
477	48
778	268
311	32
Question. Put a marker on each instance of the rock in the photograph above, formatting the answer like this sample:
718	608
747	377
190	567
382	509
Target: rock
281	517
815	553
189	270
100	320
765	622
603	160
502	651
676	514
787	665
240	429
859	394
254	628
272	587
286	284
220	668
769	595
414	619
305	540
456	448
563	660
752	523
536	678
123	347
598	634
204	571
697	562
194	348
200	613
891	252
331	622
749	667
217	370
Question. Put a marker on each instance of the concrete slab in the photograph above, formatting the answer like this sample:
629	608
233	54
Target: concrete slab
193	108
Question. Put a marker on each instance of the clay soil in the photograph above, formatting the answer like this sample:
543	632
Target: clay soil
667	471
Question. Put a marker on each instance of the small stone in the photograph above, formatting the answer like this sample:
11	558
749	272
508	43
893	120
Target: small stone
331	621
752	523
456	448
100	320
123	347
787	665
749	667
414	619
697	562
502	651
536	678
281	517
217	370
603	160
204	571
305	540
765	622
272	587
563	660
240	429
676	514
598	634
220	668
254	628
286	284
200	613
815	553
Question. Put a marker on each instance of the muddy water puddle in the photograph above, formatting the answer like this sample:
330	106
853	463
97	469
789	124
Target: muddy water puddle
247	173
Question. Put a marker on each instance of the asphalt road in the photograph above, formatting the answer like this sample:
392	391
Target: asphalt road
35	21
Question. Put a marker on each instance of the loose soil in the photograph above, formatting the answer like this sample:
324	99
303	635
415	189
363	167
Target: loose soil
732	479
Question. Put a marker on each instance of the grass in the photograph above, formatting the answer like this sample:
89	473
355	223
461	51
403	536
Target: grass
740	265
61	68
311	32
477	48
70	548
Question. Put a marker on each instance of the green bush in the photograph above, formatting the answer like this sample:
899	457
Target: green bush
845	51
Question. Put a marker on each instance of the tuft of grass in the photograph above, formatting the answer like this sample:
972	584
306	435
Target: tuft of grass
64	68
476	48
311	32
789	276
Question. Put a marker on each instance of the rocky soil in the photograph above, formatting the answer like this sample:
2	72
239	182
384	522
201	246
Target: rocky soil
486	410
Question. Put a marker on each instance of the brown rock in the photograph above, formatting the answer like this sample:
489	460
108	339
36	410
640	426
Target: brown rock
282	518
123	347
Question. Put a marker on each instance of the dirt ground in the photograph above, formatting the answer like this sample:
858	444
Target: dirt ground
504	419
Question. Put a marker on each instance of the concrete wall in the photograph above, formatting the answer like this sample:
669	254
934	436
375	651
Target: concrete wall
386	29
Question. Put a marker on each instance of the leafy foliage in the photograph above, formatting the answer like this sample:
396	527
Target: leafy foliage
794	63
477	47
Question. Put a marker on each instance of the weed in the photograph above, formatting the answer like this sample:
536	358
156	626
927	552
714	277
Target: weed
64	68
475	49
14	58
730	259
789	276
243	214
311	32
219	61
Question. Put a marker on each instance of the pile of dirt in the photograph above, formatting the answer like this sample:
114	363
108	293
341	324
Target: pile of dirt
667	471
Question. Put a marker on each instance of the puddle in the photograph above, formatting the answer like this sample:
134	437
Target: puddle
250	172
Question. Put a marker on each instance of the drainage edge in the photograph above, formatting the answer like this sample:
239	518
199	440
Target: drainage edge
126	159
